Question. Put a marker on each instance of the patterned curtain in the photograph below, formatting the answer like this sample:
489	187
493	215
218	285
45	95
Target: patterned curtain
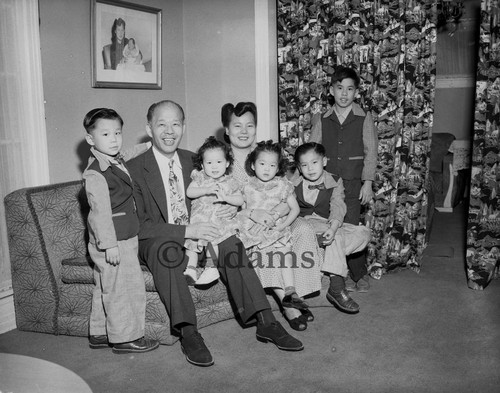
392	45
483	230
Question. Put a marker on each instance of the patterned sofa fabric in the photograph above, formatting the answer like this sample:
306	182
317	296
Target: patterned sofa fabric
52	274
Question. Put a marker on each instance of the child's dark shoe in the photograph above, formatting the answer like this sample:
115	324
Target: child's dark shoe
138	346
343	301
98	342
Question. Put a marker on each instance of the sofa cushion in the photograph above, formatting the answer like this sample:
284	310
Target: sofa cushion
80	271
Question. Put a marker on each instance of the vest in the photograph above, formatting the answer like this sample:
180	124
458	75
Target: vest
322	205
344	145
123	208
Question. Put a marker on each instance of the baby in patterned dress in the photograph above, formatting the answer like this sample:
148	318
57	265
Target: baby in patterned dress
210	188
266	189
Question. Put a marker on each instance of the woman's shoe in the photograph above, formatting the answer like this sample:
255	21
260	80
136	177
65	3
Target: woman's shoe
308	315
298	323
293	301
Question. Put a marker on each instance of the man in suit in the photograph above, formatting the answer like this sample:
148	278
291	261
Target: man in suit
161	176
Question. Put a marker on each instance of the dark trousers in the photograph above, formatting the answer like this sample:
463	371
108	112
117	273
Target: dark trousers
166	261
356	262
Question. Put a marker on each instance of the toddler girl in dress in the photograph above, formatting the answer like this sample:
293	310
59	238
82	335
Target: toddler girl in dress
211	187
266	189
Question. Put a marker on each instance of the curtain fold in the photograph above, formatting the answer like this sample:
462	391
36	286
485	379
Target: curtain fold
23	141
483	228
392	45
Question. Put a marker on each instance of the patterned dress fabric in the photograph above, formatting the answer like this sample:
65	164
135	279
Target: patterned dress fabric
392	45
266	196
483	229
204	209
305	248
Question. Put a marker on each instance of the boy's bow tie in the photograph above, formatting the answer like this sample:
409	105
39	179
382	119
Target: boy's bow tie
320	186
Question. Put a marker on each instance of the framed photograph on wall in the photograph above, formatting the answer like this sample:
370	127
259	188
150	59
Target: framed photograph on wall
125	45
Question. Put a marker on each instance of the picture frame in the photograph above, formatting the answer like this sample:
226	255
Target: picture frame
125	45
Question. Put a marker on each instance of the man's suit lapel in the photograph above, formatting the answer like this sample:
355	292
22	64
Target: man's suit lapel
154	181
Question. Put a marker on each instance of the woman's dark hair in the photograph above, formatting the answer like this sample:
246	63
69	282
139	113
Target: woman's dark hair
239	110
270	147
306	147
90	120
212	144
116	23
342	73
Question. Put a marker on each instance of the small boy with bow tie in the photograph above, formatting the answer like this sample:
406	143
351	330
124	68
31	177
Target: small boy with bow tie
321	200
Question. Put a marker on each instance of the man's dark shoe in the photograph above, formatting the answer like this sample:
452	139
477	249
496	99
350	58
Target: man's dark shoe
276	333
197	353
343	301
98	342
138	346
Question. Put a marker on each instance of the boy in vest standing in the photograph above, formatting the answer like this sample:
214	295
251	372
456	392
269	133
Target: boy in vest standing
320	196
118	311
349	135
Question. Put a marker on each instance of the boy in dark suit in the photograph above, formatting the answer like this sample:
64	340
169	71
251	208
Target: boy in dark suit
321	200
119	300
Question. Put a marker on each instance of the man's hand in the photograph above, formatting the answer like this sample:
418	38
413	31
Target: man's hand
202	231
366	192
113	256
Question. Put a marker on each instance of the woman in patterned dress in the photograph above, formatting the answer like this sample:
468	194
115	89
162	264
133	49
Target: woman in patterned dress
240	122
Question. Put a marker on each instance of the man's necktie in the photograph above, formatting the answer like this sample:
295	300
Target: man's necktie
320	186
177	203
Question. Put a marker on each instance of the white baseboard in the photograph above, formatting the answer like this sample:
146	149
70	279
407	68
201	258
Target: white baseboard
8	319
